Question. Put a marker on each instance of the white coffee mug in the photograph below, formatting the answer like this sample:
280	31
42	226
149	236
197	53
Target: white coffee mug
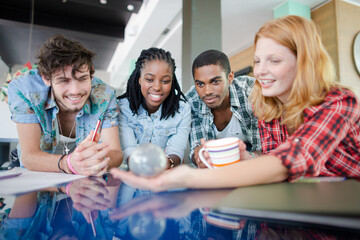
222	152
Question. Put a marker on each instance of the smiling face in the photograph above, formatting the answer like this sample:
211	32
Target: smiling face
275	68
212	85
70	93
155	82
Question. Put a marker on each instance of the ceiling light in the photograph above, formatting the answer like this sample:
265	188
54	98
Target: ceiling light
64	1
130	7
103	1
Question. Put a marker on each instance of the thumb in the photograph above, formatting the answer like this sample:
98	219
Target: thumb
242	145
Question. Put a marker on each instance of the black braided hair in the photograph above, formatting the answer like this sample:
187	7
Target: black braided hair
133	90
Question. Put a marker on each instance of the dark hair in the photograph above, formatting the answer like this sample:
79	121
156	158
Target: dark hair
212	57
133	90
58	52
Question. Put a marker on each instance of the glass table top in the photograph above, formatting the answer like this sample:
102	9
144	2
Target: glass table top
105	208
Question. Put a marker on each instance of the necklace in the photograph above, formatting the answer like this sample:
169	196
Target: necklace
66	149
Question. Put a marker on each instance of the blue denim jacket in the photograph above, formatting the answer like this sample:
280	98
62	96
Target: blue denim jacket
31	101
170	134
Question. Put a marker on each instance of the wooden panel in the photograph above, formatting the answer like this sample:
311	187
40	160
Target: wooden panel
242	59
348	26
325	19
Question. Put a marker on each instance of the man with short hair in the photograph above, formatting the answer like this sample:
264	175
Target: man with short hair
56	108
219	104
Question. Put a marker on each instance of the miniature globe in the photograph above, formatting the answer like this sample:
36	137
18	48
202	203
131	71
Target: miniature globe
147	160
145	226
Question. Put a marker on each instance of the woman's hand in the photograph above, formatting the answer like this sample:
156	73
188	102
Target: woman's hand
169	179
171	204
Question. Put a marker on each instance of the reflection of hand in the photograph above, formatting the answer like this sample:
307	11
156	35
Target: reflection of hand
89	158
198	162
89	194
170	205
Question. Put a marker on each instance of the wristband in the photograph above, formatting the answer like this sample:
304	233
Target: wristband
252	154
68	188
62	170
70	166
58	188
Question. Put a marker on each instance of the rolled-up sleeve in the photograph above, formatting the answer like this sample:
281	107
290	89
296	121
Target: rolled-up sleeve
307	151
20	106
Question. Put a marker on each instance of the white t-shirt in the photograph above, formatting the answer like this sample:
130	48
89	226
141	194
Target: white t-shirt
70	142
233	129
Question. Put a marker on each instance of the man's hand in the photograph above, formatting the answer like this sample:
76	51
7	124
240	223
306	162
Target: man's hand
244	155
197	161
89	157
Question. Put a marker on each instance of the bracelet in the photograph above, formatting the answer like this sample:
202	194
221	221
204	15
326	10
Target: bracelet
62	170
58	188
70	166
68	188
252	154
172	164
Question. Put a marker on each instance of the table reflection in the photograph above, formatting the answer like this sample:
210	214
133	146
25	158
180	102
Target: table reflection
104	208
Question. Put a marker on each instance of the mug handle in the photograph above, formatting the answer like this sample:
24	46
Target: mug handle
202	158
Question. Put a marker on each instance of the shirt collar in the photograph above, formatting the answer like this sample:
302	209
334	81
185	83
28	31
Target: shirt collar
50	101
203	108
144	113
234	98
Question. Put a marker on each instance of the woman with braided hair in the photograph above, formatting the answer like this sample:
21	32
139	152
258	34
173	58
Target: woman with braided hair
153	108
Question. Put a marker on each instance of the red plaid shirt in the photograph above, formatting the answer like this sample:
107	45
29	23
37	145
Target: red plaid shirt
326	144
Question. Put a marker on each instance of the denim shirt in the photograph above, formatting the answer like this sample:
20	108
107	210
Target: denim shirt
170	134
31	101
37	226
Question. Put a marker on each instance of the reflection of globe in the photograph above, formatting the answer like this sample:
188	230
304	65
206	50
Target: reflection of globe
145	226
147	160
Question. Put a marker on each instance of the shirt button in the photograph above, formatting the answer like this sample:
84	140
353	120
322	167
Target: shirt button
296	140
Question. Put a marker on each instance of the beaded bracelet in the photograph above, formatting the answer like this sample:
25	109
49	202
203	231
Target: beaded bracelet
70	166
58	188
62	170
252	154
172	164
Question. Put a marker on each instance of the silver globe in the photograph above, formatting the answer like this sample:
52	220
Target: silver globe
145	226
147	160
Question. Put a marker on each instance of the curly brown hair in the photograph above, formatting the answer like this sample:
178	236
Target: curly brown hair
58	52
